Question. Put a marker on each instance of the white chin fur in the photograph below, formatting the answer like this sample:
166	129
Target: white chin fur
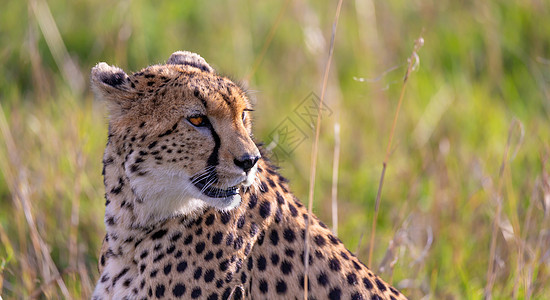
169	194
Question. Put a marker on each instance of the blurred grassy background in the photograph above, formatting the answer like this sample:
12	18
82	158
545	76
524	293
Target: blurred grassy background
471	147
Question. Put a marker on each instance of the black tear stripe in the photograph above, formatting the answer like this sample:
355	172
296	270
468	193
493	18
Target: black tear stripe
213	159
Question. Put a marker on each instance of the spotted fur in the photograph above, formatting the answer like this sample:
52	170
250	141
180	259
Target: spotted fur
192	211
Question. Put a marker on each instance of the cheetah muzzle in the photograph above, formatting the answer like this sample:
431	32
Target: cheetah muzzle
192	209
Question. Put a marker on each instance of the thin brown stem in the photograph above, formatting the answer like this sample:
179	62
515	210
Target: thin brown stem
335	164
316	147
267	42
491	274
413	60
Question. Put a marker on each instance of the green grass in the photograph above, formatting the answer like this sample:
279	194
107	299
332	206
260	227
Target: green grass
484	64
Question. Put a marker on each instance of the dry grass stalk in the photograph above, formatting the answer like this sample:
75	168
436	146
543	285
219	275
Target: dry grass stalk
315	147
267	42
20	189
491	274
412	63
335	164
67	66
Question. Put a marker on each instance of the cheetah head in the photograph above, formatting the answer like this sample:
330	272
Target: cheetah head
181	132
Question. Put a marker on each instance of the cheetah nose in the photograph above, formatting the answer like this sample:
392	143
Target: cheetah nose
246	162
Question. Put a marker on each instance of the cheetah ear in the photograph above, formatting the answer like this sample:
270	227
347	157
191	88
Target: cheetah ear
113	86
190	59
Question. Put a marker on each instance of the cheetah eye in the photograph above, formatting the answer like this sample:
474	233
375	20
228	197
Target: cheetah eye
244	116
199	121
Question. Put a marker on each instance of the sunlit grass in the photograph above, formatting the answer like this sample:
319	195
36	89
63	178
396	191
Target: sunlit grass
484	65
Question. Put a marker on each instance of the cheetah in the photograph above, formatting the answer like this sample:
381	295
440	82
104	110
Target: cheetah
194	210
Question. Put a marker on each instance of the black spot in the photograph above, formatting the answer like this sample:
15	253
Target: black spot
209	255
127	282
253	229
188	239
122	273
274	258
264	187
182	266
352	279
229	239
159	291
250	264
278	215
159	234
228	277
159	257
323	279
209	275
240	221
225	217
356	265
214	296
217	238
261	263
344	255
286	267
179	290
265	209
261	238
167	269
280	199
381	286
209	220
175	237
144	254
281	287
333	239
334	264
253	201
196	293
319	240
154	273
263	286
335	294
289	235
223	265
219	254
356	296
142	124
199	247
367	283
274	237
198	273
289	252
153	144
226	293
238	243
293	210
